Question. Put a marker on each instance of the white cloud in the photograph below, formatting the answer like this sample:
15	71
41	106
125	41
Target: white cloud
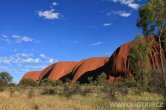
124	1
24	62
31	60
129	3
19	59
51	61
24	55
48	59
23	58
54	3
42	56
124	14
97	43
120	13
49	14
16	39
107	24
5	38
20	39
134	6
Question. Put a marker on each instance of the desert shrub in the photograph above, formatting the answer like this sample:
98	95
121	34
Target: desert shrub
50	82
90	80
12	91
28	82
35	107
110	90
12	85
2	89
130	82
124	90
86	90
2	83
48	91
31	93
69	90
156	83
101	79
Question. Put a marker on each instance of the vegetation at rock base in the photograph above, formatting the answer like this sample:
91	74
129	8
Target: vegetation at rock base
139	60
95	96
28	82
152	20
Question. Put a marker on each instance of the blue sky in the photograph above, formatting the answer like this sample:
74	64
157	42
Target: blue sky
37	33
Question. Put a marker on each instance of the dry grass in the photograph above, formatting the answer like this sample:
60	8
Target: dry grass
21	101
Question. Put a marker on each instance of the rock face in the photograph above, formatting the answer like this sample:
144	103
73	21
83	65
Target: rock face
34	75
119	64
116	66
89	67
60	70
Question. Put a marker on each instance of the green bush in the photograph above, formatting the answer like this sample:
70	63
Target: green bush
48	91
130	82
31	93
50	82
3	83
28	82
101	79
156	83
2	89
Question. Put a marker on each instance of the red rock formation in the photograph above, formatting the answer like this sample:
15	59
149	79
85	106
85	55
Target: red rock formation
119	62
89	67
58	70
115	66
34	75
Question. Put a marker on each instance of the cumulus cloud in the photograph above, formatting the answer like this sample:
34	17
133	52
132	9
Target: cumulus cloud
20	39
49	14
24	62
54	3
48	59
120	13
19	59
97	43
17	39
22	58
134	6
124	14
129	3
107	24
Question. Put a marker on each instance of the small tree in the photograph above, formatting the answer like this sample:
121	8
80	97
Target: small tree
28	82
152	20
138	58
101	79
5	78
